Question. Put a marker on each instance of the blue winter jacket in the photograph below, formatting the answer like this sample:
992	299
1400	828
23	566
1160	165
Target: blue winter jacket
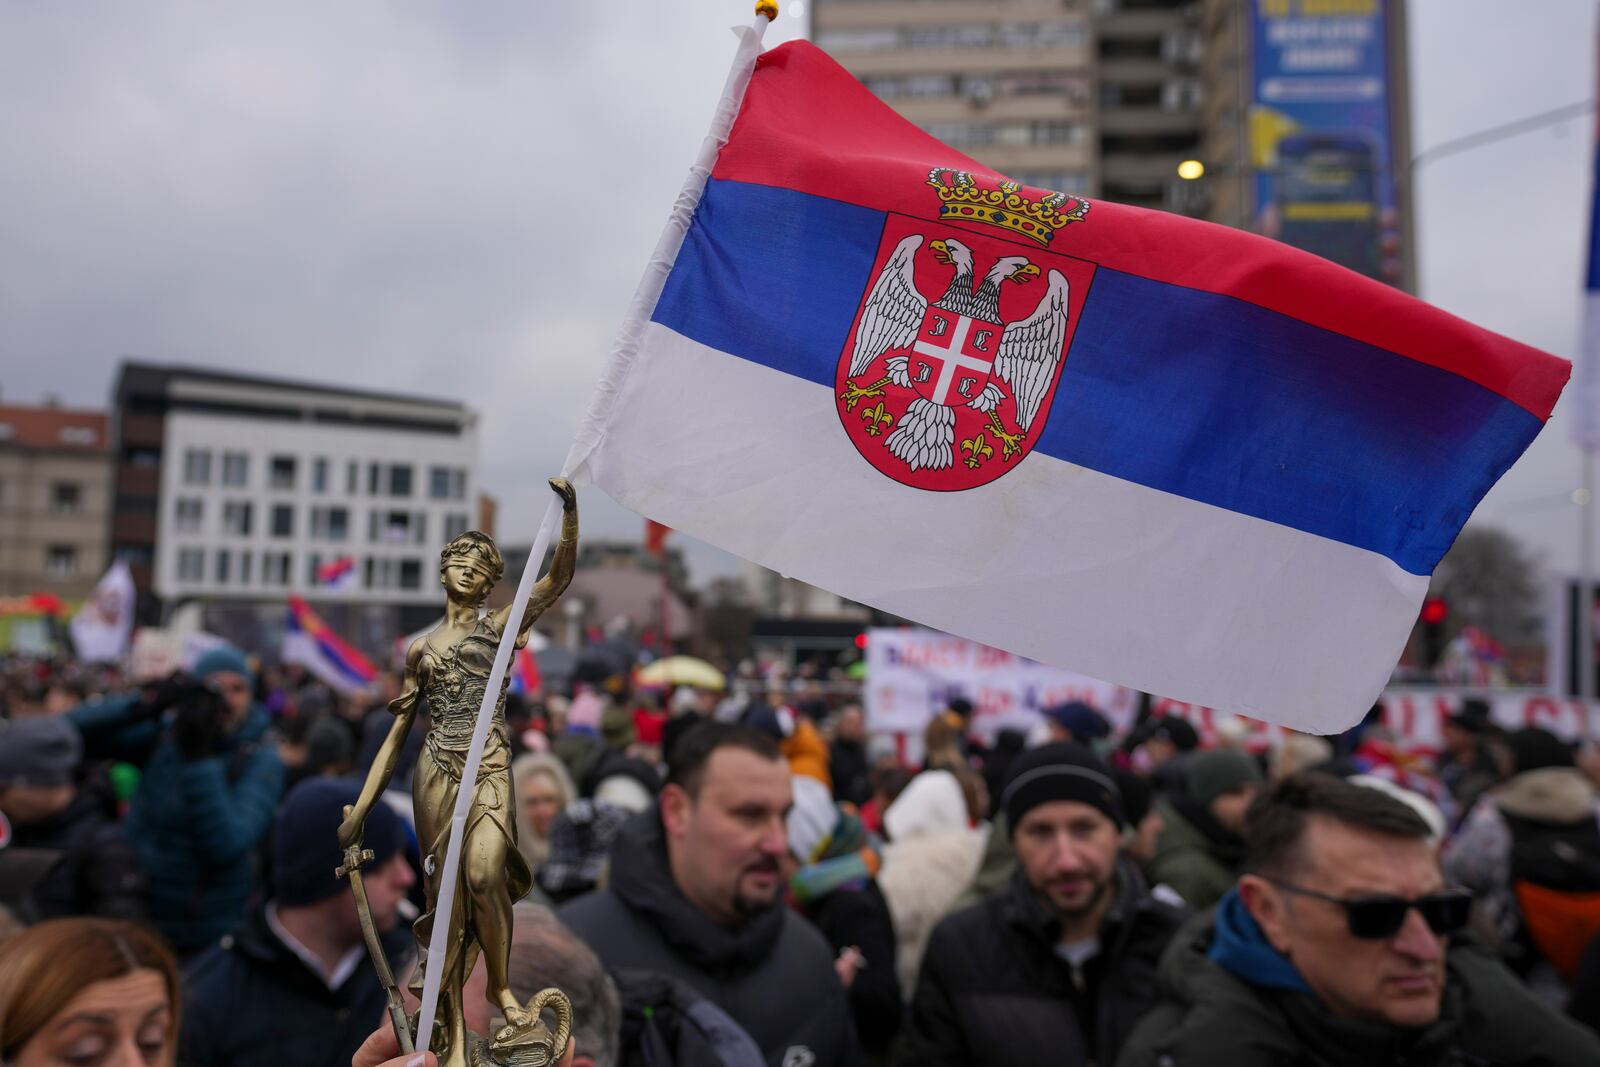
197	824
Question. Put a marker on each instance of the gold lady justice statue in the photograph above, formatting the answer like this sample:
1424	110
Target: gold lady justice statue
448	669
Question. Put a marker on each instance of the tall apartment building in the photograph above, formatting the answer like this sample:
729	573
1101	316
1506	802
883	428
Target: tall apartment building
55	495
233	491
1095	97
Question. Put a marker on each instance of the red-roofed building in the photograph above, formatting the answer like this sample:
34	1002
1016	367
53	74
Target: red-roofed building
55	499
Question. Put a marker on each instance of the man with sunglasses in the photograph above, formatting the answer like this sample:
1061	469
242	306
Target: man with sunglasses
1337	949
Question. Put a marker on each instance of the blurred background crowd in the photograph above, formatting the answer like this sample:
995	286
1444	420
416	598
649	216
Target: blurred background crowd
748	874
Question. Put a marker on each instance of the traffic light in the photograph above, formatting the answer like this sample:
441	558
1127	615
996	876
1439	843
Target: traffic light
1434	613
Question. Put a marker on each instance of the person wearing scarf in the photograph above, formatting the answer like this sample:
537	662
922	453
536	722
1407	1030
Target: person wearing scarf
833	882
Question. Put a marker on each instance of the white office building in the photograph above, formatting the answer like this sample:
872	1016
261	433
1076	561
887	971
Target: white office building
268	488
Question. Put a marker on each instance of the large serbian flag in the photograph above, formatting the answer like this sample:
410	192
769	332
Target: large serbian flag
1165	453
308	641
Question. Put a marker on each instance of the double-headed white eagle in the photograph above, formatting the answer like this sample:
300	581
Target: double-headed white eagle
1026	359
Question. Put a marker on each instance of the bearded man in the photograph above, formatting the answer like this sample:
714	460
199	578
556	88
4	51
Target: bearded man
1057	965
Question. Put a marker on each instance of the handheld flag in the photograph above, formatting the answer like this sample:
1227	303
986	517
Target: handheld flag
1165	453
309	642
525	680
338	574
102	630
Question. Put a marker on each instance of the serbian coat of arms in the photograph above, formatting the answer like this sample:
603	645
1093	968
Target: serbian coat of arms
948	375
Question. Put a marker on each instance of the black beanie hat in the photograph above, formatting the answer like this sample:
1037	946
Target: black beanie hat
1060	771
305	840
1534	748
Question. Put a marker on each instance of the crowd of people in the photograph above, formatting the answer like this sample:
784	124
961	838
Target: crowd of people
755	878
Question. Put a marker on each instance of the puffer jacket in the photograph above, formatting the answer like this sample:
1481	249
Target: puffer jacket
773	974
197	824
993	989
1256	1011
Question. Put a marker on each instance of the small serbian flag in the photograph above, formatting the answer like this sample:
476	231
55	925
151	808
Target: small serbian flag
308	641
1165	453
338	574
525	673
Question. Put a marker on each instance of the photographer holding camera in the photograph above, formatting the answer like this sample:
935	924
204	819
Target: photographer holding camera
210	786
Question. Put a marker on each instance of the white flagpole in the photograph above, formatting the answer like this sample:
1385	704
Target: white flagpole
644	301
648	294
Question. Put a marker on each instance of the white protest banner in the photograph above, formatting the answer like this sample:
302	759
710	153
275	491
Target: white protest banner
913	674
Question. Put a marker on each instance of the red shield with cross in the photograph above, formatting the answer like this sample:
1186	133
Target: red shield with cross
952	357
950	371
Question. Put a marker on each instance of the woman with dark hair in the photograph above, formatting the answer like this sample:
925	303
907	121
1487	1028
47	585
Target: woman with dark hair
88	993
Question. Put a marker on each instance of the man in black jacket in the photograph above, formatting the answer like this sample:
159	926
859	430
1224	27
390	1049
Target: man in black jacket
96	870
1336	951
695	893
1056	966
293	983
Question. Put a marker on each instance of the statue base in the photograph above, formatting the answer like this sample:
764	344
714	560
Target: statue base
531	1045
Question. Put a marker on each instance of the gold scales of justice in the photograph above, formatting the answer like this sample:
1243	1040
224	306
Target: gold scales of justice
448	670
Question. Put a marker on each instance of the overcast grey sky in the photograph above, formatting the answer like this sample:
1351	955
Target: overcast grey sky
388	194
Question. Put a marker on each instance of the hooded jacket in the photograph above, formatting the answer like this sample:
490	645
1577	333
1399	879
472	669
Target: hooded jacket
195	823
1199	866
773	974
1227	998
994	990
98	872
933	855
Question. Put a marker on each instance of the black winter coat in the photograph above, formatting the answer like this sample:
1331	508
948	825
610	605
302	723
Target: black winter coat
774	975
848	767
1208	1017
992	989
98	872
251	1002
860	917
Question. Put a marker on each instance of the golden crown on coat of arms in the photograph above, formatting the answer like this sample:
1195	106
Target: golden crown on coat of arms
964	200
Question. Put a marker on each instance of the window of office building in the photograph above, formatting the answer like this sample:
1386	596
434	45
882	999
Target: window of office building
191	564
61	561
447	483
66	498
187	512
410	574
236	516
282	520
197	466
283	471
374	475
399	480
397	527
330	524
224	562
352	478
455	524
235	468
245	560
275	568
319	476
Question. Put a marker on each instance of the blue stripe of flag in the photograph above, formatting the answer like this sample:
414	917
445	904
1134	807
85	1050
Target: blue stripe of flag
1192	393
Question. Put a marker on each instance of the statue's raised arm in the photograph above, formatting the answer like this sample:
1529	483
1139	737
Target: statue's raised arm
549	588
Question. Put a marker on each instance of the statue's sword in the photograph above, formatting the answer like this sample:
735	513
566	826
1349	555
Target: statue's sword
354	857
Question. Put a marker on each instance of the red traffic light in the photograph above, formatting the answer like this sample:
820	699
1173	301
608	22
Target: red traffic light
861	641
1435	610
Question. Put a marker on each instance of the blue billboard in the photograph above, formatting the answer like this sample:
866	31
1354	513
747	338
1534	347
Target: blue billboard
1321	131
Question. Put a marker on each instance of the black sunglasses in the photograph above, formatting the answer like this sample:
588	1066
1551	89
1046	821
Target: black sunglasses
1380	918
